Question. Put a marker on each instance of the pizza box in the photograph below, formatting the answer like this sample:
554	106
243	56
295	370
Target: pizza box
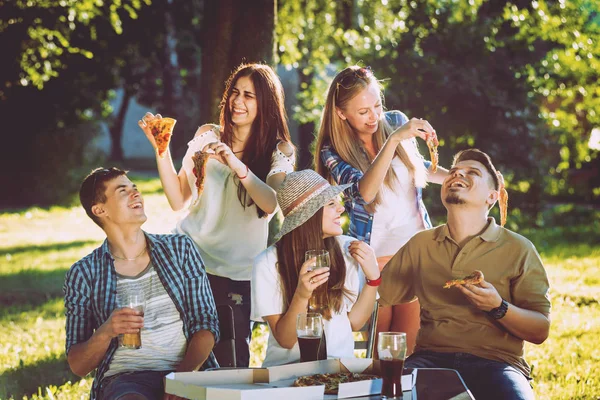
275	382
234	384
285	375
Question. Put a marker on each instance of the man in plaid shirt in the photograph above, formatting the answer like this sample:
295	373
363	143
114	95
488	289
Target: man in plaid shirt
179	326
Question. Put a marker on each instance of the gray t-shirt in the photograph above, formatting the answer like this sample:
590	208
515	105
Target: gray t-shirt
163	340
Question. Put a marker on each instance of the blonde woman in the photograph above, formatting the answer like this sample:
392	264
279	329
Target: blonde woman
376	152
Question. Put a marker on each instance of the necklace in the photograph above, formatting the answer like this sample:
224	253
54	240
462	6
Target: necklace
129	259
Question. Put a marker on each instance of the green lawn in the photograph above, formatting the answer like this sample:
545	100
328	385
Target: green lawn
38	246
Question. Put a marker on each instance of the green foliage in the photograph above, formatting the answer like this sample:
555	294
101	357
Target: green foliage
518	80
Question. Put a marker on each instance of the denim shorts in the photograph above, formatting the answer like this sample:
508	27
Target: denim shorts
147	385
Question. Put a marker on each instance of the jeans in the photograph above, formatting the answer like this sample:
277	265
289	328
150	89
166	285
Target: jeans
237	295
486	379
135	385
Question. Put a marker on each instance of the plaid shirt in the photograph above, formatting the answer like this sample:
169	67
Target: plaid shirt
361	221
91	288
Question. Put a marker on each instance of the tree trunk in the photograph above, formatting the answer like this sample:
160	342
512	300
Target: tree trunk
306	132
116	130
234	31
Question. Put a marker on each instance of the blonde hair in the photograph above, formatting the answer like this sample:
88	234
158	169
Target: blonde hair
341	136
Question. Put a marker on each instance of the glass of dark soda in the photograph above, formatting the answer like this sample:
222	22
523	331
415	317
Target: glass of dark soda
309	328
391	348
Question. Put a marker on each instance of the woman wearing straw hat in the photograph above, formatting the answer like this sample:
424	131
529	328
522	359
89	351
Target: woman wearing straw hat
283	282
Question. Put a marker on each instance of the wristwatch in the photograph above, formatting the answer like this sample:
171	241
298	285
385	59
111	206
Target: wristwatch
500	311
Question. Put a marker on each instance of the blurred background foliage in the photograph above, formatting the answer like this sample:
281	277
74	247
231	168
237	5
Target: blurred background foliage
517	79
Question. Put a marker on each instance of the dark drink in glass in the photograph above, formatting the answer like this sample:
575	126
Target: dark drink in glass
309	348
311	338
391	372
391	348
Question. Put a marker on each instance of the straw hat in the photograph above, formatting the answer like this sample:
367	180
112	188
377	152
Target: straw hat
301	195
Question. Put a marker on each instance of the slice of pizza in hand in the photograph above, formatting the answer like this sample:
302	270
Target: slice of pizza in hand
474	279
503	204
433	154
162	130
200	159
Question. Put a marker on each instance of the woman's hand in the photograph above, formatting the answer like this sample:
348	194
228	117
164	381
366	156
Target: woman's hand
225	155
144	124
414	128
365	256
309	279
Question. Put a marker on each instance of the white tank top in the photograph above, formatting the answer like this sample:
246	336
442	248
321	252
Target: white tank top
397	217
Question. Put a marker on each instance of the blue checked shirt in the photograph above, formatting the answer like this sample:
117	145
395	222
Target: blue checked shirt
91	289
361	221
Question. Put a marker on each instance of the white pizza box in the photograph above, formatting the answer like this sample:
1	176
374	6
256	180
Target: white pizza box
274	383
284	375
234	384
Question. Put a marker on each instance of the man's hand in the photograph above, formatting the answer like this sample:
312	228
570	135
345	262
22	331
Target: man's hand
122	320
484	296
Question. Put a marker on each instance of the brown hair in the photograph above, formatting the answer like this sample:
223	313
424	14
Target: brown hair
481	157
93	189
338	133
269	127
290	257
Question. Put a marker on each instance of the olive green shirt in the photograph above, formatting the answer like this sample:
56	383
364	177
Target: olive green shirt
449	322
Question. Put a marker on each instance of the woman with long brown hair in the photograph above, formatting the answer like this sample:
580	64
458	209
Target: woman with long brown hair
376	153
283	282
250	153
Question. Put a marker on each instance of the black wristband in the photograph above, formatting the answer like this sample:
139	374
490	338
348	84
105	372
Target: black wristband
500	311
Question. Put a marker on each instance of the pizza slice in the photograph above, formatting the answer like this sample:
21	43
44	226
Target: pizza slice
331	381
162	130
503	204
433	154
474	279
200	159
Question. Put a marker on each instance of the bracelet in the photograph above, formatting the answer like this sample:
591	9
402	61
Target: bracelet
245	176
374	282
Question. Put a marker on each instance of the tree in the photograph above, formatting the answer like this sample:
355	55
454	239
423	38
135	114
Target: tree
476	71
53	93
234	31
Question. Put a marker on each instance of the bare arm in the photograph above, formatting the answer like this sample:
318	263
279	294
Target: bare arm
363	308
283	326
84	357
197	352
528	325
263	194
437	176
372	180
175	185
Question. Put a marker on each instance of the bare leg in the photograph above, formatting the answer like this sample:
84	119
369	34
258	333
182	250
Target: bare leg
406	318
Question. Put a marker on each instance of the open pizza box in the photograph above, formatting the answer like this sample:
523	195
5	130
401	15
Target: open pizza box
275	383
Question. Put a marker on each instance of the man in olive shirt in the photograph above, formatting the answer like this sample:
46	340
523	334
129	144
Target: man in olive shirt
478	330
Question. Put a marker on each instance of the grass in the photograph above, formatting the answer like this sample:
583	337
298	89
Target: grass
37	246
